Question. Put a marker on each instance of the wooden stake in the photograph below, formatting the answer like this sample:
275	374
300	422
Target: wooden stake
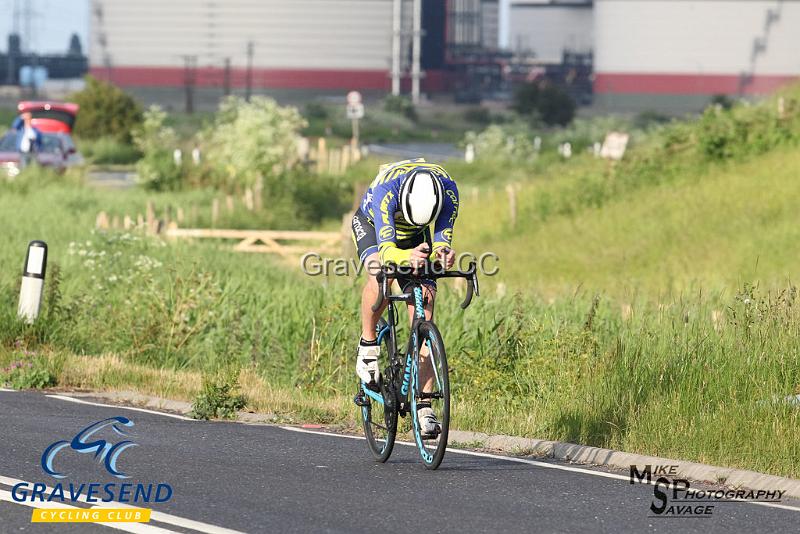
180	216
150	215
345	159
101	222
214	212
512	204
258	192
333	161
127	222
322	156
229	203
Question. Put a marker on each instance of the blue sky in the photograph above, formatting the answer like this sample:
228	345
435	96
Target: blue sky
52	25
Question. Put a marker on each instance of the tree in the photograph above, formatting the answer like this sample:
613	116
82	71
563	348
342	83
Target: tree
106	111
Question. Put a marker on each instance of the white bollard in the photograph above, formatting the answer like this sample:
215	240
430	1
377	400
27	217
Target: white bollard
177	157
30	294
469	155
196	156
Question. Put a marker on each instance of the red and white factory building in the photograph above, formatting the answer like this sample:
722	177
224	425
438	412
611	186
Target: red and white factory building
668	55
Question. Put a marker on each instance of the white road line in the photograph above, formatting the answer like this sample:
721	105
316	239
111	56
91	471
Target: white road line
143	410
537	464
161	517
8	390
136	528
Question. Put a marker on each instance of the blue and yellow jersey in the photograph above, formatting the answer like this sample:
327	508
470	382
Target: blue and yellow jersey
380	204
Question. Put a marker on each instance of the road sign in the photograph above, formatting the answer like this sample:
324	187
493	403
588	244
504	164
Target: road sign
353	98
355	111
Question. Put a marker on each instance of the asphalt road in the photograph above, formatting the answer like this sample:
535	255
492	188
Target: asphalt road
258	478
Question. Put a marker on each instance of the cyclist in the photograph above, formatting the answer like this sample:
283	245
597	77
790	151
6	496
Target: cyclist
392	225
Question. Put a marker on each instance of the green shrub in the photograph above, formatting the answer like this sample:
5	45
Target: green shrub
502	144
156	169
106	111
478	115
109	150
401	105
315	110
28	373
723	101
249	140
544	101
220	397
744	129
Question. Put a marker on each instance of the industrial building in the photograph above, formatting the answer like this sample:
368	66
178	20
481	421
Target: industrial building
546	29
673	55
664	55
293	45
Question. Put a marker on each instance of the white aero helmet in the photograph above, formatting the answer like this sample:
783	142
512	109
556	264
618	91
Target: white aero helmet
421	198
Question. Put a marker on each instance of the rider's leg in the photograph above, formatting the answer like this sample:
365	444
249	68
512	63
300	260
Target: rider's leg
426	376
367	364
369	318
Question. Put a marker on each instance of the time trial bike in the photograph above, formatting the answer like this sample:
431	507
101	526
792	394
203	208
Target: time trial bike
400	390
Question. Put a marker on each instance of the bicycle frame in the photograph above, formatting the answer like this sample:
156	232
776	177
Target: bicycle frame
409	363
400	391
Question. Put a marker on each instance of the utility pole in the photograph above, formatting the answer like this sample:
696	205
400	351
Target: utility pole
416	47
27	15
226	77
11	75
397	21
249	73
189	80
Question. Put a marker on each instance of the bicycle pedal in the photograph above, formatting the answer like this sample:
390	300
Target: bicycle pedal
431	435
361	399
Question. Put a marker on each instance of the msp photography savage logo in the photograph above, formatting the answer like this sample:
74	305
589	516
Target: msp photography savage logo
675	497
108	455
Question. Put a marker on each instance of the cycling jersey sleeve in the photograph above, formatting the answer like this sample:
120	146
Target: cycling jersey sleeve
384	206
443	227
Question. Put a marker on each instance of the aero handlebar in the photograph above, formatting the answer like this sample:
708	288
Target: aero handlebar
433	271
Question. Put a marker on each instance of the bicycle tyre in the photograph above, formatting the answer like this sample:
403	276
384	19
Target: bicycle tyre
381	440
432	452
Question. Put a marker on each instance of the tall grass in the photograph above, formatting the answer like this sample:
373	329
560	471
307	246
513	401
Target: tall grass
634	322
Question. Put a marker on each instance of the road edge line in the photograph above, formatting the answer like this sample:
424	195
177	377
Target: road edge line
120	406
570	452
646	459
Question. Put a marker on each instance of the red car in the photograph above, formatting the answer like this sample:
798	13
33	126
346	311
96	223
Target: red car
55	121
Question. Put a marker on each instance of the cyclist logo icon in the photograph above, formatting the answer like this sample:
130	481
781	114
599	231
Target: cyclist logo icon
104	451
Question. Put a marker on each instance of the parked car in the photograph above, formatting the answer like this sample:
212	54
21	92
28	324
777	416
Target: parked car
55	120
55	153
51	117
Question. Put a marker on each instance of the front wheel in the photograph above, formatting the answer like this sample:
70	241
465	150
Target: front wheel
378	418
434	390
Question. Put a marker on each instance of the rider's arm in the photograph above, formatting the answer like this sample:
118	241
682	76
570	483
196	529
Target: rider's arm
443	227
384	205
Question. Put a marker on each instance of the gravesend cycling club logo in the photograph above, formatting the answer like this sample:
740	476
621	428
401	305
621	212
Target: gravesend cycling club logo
106	442
105	452
387	232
